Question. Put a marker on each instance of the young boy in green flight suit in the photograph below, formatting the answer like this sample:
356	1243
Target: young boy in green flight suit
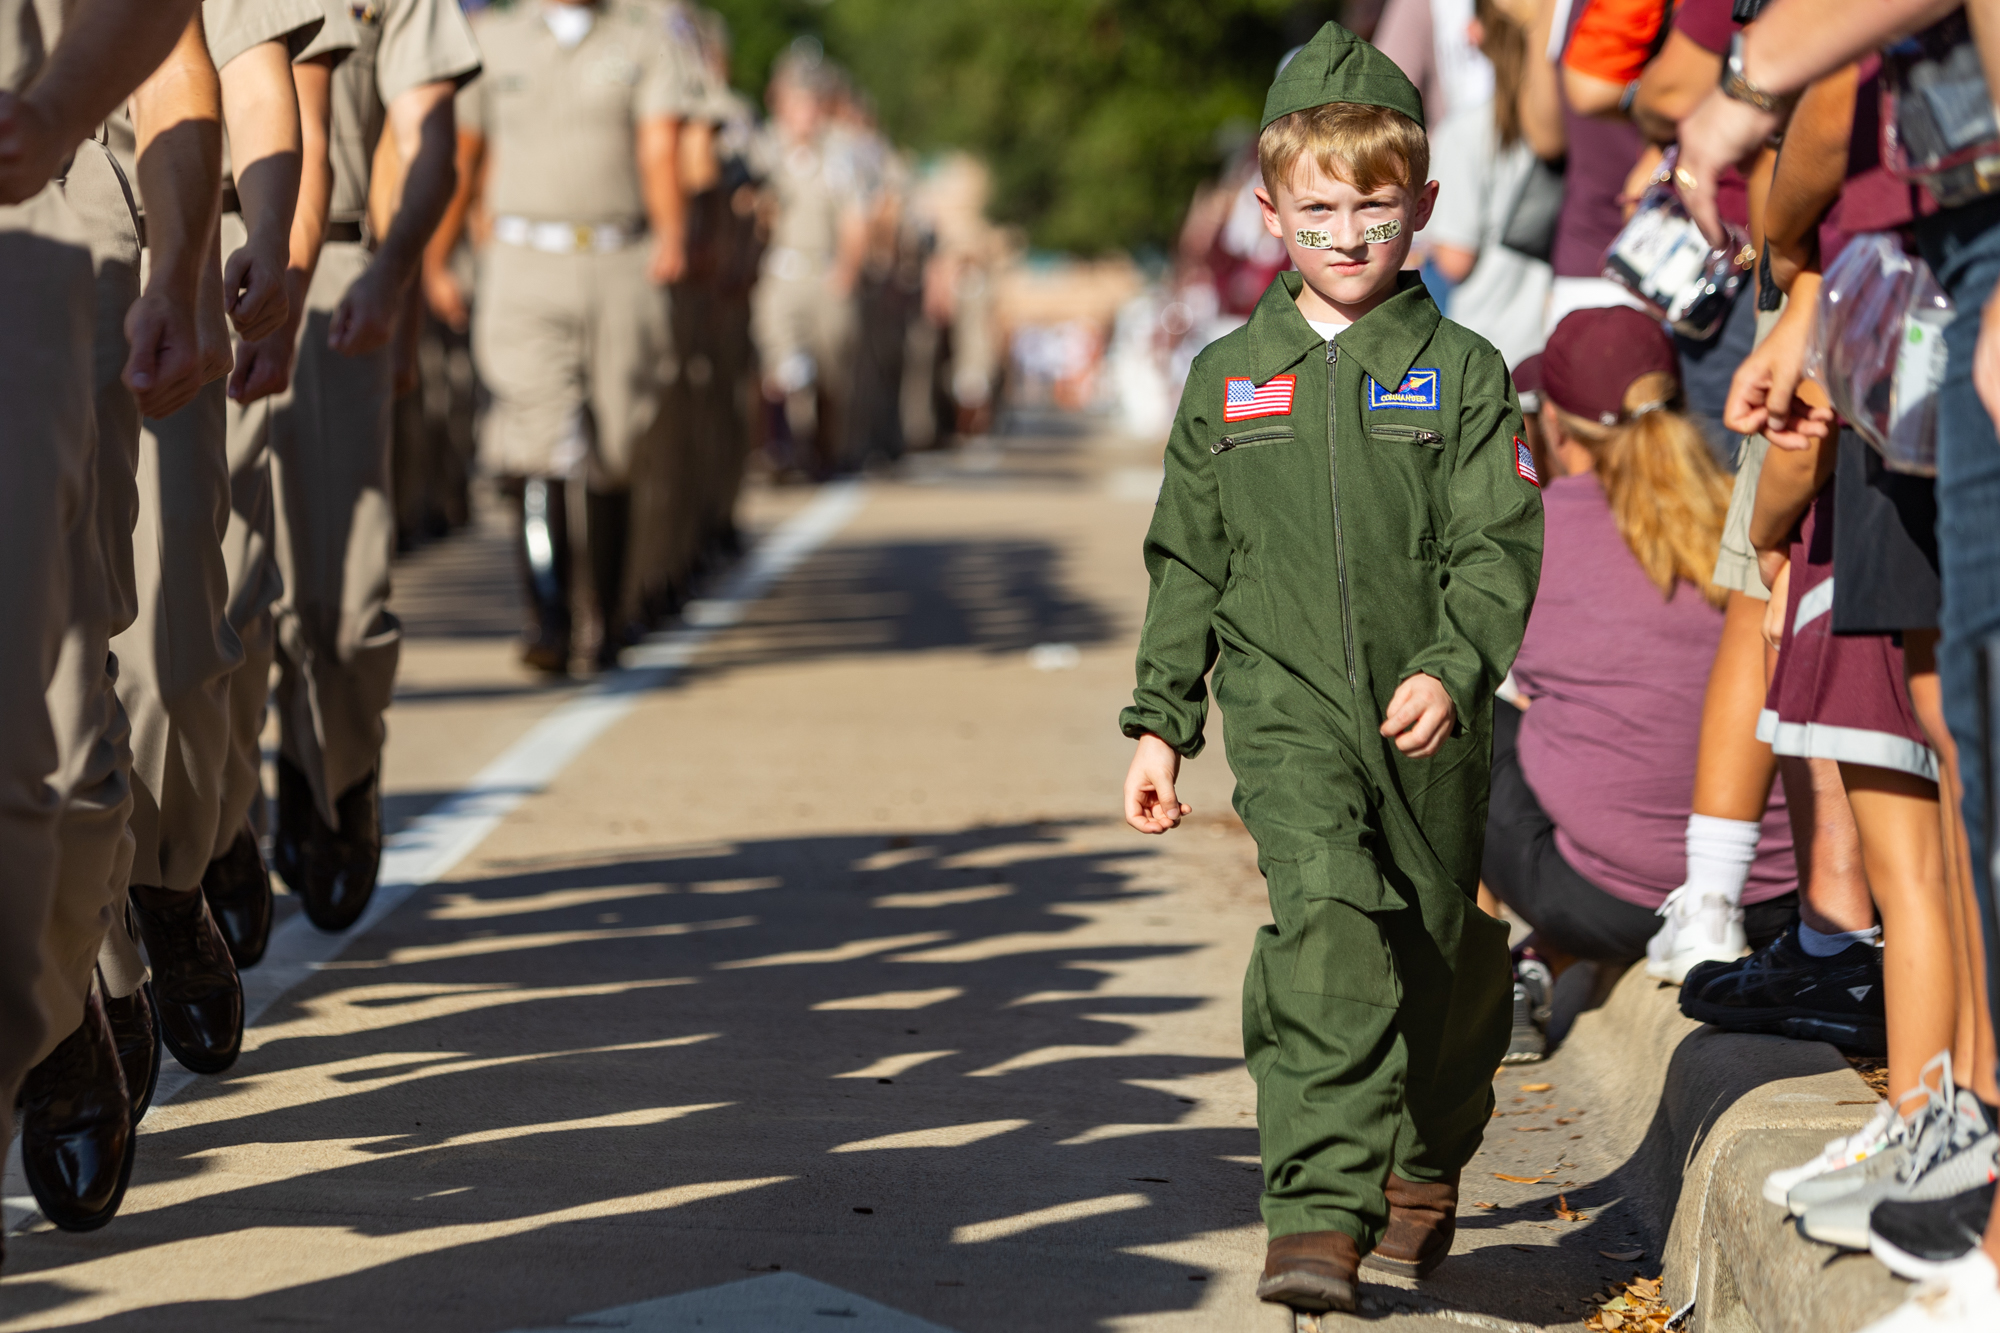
1349	534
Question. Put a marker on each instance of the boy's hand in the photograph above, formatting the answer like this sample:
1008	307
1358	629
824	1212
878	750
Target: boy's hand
1150	803
1421	715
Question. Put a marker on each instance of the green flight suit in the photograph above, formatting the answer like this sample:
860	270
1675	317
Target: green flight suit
1316	554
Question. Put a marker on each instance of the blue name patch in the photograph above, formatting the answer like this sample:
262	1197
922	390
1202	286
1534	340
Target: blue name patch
1419	389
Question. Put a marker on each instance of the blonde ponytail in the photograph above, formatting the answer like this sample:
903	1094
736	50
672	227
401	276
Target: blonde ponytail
1667	493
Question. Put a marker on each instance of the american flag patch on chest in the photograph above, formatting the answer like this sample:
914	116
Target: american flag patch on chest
1524	462
1243	398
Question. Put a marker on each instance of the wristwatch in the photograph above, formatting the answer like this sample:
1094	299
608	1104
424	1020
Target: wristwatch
1739	89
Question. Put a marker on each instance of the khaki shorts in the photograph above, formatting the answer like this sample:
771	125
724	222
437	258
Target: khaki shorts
1736	562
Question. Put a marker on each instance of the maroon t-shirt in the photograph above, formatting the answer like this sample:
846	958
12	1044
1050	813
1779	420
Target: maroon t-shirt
1872	198
1602	154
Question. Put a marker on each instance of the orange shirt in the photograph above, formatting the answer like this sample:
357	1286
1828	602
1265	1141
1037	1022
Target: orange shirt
1614	39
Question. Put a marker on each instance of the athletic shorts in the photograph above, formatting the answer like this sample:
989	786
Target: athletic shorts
1837	696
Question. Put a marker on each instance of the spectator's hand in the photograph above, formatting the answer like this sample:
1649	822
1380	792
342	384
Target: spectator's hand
1777	574
164	367
253	291
1986	358
669	260
1420	716
1721	132
29	153
366	318
1765	395
1150	803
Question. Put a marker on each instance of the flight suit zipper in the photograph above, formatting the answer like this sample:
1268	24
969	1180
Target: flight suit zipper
1339	539
1413	434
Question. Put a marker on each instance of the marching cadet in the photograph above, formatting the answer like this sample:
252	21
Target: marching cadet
803	309
580	112
1350	534
328	436
94	347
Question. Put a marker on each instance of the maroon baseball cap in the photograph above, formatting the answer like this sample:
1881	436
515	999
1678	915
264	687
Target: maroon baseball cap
1528	382
1594	355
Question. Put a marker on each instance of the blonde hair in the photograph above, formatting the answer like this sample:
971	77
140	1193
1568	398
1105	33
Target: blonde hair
1366	146
1504	43
1667	493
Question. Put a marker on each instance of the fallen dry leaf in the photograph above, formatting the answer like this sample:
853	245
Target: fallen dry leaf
1565	1120
1623	1256
1537	1087
1533	1129
1485	1205
1562	1209
1521	1180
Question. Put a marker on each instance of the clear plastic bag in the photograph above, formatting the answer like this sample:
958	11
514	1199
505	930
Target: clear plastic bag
1939	128
1662	258
1877	348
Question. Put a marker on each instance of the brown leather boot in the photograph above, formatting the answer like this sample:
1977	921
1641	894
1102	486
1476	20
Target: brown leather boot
1422	1220
1311	1271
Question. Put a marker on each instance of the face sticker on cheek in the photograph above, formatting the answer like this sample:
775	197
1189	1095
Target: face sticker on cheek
1312	239
1383	231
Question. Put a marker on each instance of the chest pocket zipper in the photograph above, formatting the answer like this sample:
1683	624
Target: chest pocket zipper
1228	442
1408	435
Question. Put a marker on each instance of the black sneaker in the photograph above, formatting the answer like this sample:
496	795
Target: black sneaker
1785	990
1918	1238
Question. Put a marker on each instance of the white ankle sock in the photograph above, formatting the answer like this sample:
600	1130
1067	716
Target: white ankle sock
1719	855
1819	945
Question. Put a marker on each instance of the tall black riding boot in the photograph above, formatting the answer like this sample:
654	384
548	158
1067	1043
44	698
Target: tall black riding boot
543	507
609	519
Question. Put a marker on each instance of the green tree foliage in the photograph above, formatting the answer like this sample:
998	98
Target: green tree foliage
1099	117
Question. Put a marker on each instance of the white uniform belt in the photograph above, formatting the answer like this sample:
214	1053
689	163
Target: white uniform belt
564	238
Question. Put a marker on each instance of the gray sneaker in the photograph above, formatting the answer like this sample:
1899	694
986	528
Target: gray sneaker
1881	1165
1955	1150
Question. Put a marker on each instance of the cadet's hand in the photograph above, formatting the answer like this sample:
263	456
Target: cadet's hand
1150	803
669	260
29	153
445	298
264	365
164	367
365	320
1420	716
253	291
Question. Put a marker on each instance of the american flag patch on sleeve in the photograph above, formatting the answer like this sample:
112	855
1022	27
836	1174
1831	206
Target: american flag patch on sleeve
1243	398
1524	462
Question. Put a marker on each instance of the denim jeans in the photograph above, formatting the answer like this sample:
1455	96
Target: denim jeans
1963	248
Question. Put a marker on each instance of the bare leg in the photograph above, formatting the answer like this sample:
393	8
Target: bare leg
1833	891
1733	773
1972	1054
1902	848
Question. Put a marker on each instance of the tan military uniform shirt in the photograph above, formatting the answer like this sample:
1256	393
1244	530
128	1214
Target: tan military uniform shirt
234	26
563	124
401	44
816	187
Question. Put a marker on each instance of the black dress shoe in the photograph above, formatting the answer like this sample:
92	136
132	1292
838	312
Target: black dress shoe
336	870
238	889
137	1034
197	994
77	1139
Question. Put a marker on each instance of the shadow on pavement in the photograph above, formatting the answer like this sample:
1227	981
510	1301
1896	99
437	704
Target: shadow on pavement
574	1085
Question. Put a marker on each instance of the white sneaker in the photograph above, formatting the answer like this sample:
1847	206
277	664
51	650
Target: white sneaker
1965	1299
1882	1129
1698	929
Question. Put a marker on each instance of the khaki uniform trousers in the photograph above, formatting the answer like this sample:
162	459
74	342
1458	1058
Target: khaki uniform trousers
574	350
46	441
94	771
176	659
803	315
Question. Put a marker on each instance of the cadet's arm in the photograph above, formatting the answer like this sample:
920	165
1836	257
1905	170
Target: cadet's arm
177	117
441	291
264	365
1494	540
659	148
423	122
107	49
260	108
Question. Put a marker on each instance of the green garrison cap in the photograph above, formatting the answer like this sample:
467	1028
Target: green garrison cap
1337	66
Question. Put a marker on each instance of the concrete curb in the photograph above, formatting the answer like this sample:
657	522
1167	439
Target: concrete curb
1701	1117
